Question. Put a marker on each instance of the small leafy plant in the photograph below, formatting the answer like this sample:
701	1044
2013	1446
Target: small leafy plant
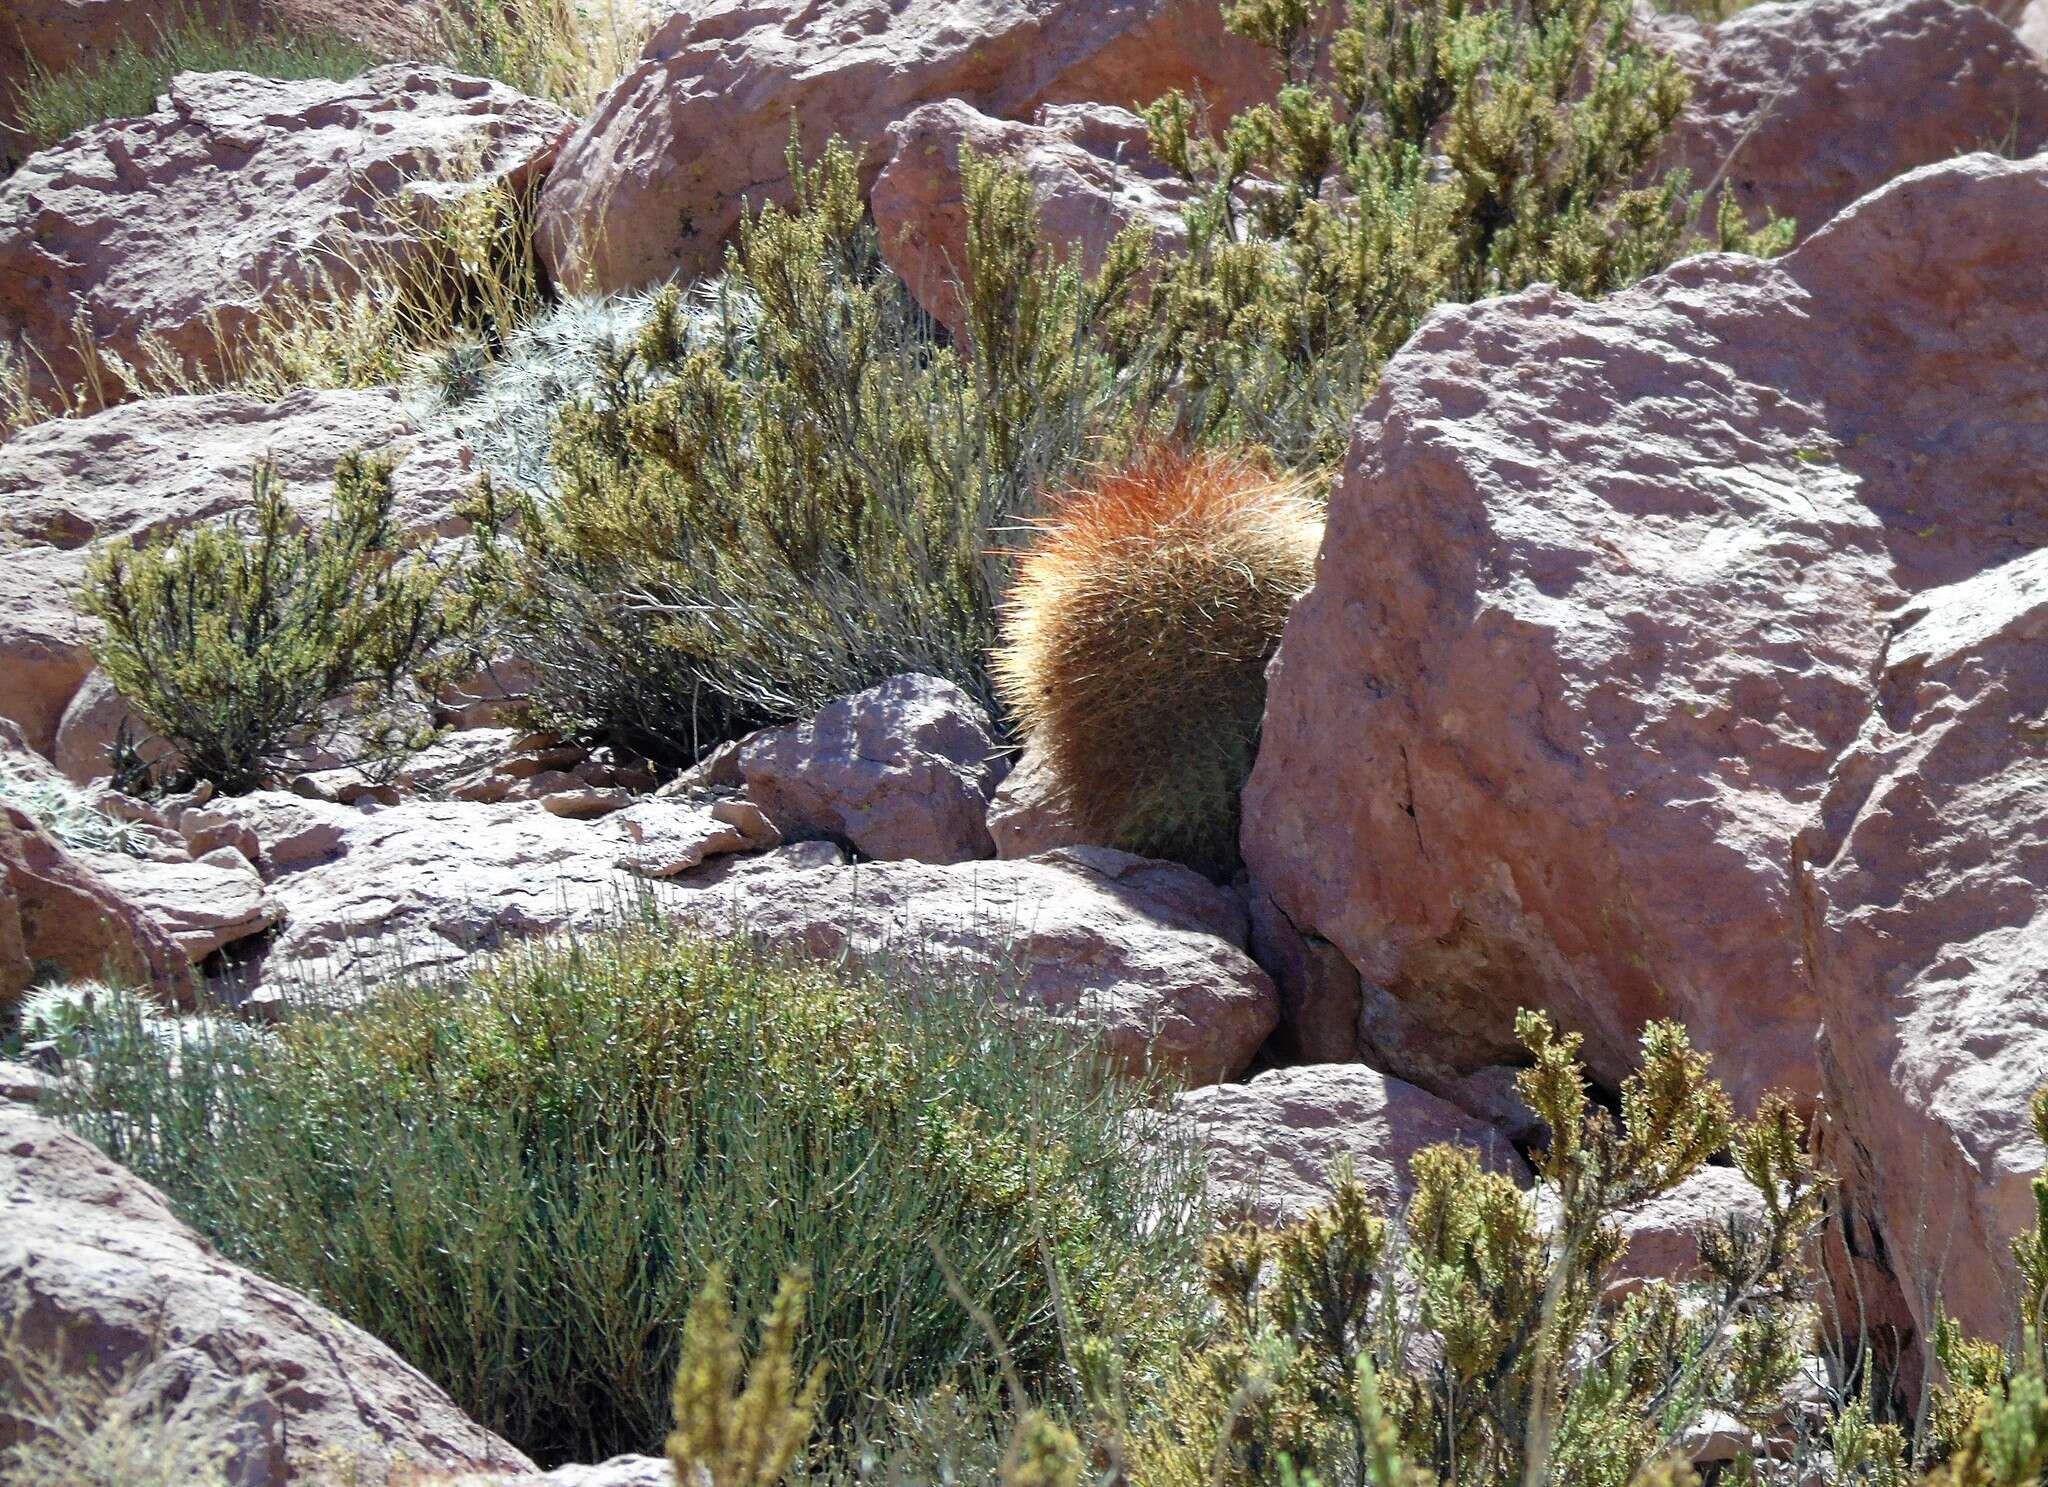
236	640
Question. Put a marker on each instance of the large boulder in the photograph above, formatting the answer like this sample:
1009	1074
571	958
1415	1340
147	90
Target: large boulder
181	228
902	770
99	1278
655	181
60	918
1801	108
1926	895
1092	173
1274	1144
153	467
1605	596
1146	957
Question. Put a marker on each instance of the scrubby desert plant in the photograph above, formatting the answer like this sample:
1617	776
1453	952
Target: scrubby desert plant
521	1182
126	81
1136	637
1420	152
1473	1338
741	1424
793	499
234	640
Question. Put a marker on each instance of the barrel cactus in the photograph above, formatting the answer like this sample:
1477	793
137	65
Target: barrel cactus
1135	641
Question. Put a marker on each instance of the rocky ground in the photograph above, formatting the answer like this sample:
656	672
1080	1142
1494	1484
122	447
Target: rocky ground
1683	654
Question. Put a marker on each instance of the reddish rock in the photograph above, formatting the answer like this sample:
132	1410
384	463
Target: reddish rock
153	467
1147	957
1805	107
1273	1144
204	905
1029	813
186	223
654	181
58	915
902	770
1091	171
1604	596
1925	884
97	1272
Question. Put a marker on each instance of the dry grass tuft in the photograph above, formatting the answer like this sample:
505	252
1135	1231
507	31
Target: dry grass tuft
1136	637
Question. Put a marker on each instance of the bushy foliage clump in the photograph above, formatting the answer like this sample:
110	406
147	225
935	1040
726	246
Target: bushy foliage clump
794	499
1420	152
234	640
1512	1363
1136	638
520	1183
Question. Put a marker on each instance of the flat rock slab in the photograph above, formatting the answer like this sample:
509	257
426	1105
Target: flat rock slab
1146	956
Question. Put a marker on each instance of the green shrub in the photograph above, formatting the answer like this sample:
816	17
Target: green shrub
1449	150
521	1183
128	79
1469	1339
234	640
792	496
1136	640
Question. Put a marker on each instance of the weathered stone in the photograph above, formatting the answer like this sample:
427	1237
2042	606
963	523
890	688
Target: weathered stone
204	905
1091	170
1274	1144
97	1273
2032	29
902	770
421	887
207	831
57	915
656	179
181	228
1147	957
1803	108
154	467
669	837
1029	813
1925	883
1605	594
